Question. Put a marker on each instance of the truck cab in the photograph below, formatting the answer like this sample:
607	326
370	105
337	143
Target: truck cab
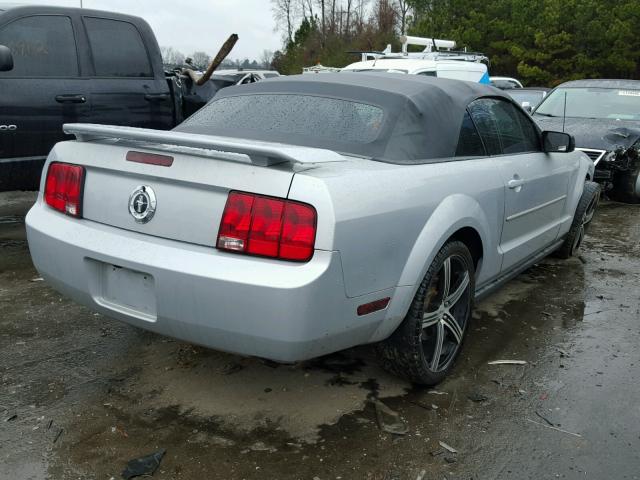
73	65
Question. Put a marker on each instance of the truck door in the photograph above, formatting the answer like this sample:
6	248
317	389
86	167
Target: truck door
535	182
42	91
125	89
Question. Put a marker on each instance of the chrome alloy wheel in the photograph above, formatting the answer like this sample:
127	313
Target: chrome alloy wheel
446	313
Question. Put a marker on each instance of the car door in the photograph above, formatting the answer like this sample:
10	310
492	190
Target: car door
43	90
535	182
125	90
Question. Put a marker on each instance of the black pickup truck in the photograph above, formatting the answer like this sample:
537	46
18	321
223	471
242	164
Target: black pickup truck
64	65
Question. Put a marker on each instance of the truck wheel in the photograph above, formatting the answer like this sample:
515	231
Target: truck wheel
626	187
423	348
581	220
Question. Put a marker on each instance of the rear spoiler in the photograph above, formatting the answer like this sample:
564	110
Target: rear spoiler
259	153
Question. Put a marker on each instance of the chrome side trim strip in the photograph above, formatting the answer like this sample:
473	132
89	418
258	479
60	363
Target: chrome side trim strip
536	208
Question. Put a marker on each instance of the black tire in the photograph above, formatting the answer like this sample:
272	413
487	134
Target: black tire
626	187
581	220
411	350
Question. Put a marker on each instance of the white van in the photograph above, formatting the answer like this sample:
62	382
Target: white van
437	60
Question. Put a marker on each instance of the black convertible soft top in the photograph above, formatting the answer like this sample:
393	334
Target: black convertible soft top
421	122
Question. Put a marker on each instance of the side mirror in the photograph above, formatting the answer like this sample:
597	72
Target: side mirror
6	59
527	107
554	142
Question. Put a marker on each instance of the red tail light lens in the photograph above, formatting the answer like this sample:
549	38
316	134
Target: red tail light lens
63	188
266	224
236	220
298	231
267	227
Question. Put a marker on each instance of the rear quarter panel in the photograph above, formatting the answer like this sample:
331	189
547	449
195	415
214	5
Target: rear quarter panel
389	221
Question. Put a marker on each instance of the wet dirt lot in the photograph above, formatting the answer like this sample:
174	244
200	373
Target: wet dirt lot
81	394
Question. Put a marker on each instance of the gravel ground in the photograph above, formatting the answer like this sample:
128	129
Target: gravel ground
82	394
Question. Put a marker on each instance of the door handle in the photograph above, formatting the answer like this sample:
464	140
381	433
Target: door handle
156	97
515	183
71	98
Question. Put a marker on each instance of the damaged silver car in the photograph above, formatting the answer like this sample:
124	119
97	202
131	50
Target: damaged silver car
303	215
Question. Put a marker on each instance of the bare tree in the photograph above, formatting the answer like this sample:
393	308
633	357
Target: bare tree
403	9
324	25
171	56
201	59
332	29
347	30
360	13
284	13
309	6
385	16
266	58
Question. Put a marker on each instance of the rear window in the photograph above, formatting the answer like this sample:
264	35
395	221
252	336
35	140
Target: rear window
295	115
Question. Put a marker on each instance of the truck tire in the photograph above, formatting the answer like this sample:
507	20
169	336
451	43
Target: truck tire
581	220
626	187
425	345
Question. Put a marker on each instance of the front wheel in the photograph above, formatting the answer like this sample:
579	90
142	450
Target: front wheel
626	186
425	345
581	220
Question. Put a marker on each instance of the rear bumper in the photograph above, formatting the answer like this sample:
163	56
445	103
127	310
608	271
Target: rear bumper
272	309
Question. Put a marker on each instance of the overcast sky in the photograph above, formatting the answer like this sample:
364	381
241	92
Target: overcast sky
197	24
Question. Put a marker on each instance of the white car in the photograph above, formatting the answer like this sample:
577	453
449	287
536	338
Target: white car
505	83
243	77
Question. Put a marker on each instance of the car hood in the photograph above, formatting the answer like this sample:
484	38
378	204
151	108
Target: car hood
600	134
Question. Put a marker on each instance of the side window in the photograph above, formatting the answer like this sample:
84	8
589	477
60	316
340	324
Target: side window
42	46
530	132
507	131
429	74
482	113
469	142
117	48
511	135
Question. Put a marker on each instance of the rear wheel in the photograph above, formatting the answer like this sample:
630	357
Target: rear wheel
427	342
581	220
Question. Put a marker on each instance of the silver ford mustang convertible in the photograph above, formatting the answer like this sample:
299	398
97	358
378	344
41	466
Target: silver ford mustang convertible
299	216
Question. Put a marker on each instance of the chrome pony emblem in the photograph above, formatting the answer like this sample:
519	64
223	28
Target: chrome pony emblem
142	204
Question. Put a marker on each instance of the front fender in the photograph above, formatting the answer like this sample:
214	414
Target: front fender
453	213
585	170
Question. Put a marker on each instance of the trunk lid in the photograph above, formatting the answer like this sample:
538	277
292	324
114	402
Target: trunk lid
190	194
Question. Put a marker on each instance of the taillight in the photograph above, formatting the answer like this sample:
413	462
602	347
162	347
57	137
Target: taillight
63	188
267	227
